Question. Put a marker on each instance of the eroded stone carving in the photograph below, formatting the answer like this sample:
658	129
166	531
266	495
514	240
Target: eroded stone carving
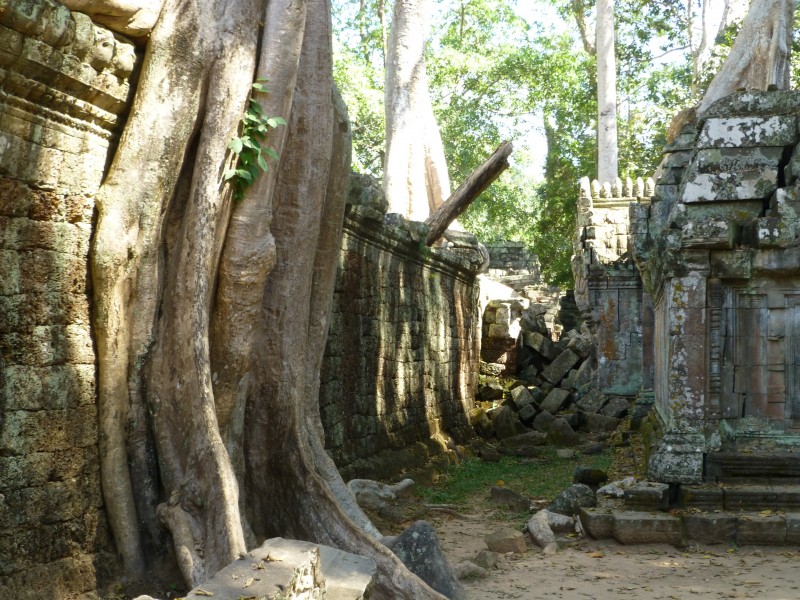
128	17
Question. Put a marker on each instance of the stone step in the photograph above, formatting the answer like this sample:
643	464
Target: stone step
741	467
679	527
651	496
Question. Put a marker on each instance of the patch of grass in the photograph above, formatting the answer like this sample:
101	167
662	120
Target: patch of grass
538	478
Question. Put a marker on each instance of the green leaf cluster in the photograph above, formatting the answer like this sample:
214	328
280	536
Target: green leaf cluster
248	147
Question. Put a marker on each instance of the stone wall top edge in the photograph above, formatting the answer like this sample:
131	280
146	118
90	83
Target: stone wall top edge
400	241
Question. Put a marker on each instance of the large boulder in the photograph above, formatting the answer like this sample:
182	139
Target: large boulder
419	550
572	499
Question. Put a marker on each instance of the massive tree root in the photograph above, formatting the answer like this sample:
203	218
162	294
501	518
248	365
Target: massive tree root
192	333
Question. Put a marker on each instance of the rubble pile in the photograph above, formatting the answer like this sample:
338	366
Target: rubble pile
540	391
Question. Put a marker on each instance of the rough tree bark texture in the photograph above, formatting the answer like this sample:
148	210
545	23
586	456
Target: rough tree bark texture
154	376
188	341
760	55
415	175
607	152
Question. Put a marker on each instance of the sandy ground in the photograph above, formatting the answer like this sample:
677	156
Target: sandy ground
586	568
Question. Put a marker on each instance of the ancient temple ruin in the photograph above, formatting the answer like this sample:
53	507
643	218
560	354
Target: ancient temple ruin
717	254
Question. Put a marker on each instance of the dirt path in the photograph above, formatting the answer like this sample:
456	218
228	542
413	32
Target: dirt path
605	569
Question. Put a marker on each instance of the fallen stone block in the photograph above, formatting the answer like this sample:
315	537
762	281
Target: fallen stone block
419	550
710	528
481	422
559	523
589	475
503	496
542	420
506	540
294	569
529	373
616	407
592	402
521	397
569	501
491	369
583	375
527	444
592	448
633	527
539	531
581	344
616	489
375	495
597	522
598	423
555	400
647	495
555	371
760	529
527	413
540	344
561	435
506	424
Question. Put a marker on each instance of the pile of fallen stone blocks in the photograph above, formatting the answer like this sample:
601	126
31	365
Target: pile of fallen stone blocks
551	399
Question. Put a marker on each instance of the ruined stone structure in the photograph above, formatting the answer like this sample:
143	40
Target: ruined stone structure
512	264
718	250
63	93
608	289
401	362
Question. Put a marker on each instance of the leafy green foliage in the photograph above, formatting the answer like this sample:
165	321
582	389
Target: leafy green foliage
538	478
496	72
251	154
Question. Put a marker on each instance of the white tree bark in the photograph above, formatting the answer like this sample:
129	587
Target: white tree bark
607	151
760	55
415	175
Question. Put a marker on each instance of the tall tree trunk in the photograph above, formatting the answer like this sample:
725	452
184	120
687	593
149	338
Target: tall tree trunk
193	87
415	175
607	151
760	55
188	340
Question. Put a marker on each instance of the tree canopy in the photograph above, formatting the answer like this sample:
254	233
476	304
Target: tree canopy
526	71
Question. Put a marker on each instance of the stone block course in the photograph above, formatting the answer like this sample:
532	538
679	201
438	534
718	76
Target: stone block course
401	361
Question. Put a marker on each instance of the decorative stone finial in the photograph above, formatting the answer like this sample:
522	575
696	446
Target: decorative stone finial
595	188
616	188
639	187
650	187
586	187
605	191
628	187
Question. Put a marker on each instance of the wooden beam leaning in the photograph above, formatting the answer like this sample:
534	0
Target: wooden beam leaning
480	179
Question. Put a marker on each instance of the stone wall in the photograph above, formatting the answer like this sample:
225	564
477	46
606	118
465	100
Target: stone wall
608	289
718	249
513	264
63	92
401	362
